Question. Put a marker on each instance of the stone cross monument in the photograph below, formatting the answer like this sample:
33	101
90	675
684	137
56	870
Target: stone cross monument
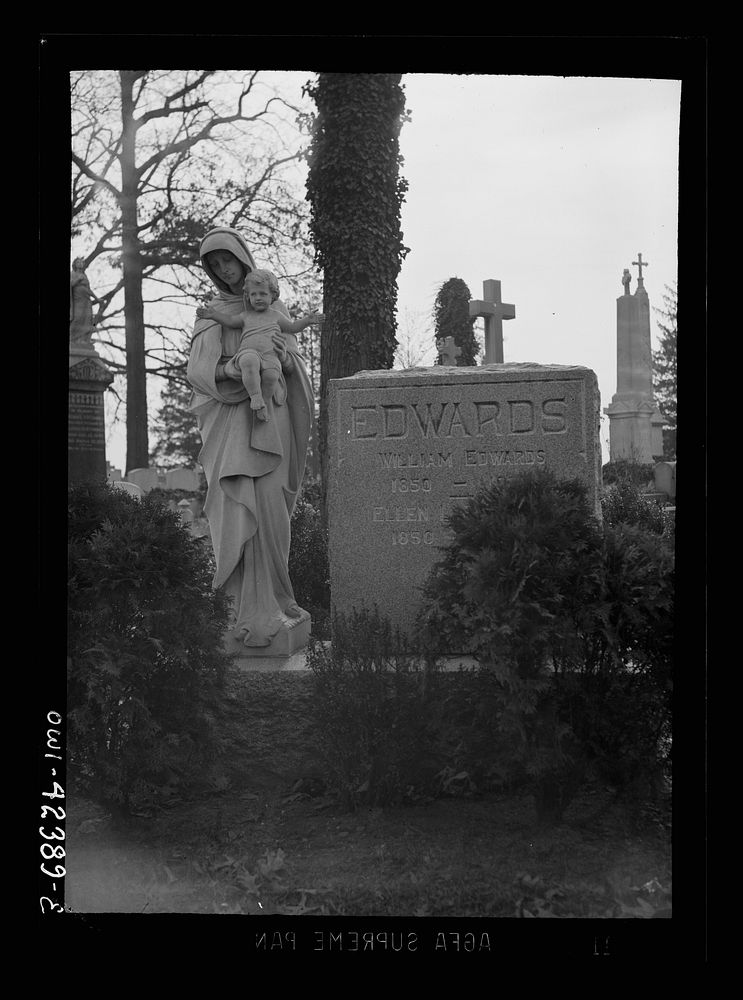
494	311
639	264
635	422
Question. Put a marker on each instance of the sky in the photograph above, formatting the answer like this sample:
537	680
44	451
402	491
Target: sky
550	185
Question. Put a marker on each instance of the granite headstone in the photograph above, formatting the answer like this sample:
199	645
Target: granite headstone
406	446
131	488
146	479
664	475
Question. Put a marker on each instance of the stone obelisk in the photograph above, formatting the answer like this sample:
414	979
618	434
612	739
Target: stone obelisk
89	377
635	422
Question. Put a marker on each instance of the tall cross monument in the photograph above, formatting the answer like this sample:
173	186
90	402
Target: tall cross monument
635	422
494	311
639	264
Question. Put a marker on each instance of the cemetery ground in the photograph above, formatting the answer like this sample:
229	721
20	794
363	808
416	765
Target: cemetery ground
294	852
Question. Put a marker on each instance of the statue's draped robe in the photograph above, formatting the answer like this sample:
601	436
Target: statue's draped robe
253	469
81	307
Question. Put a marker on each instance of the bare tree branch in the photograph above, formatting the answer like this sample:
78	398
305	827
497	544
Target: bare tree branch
170	100
179	189
103	181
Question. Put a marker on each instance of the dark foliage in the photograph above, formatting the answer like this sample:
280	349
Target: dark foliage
620	703
523	557
178	441
371	698
452	319
308	558
665	371
144	655
574	625
625	500
639	474
623	503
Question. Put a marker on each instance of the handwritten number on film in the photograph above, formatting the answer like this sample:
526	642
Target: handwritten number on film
49	850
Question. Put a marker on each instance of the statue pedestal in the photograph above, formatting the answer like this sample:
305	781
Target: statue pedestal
292	636
89	378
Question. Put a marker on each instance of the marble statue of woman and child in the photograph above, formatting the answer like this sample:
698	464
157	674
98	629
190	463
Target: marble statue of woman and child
254	405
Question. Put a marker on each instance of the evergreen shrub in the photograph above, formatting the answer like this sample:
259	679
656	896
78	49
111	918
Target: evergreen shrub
624	503
371	702
166	494
572	623
144	656
474	756
640	474
620	702
452	319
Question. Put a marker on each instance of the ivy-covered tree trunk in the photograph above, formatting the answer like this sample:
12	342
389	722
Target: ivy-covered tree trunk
452	319
355	193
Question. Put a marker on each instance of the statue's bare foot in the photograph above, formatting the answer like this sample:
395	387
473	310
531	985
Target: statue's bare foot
258	405
293	611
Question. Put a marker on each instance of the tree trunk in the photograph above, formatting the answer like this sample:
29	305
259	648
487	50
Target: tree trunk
137	440
355	191
340	357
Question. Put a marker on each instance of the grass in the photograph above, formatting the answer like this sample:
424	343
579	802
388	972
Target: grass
292	854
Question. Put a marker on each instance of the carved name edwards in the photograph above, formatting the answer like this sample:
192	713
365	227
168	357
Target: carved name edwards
405	447
449	419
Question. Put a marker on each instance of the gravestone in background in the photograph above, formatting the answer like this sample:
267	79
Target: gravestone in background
146	479
131	488
448	351
182	479
406	446
86	430
664	475
89	378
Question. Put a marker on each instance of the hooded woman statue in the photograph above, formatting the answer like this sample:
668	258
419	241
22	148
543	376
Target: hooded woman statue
254	468
81	304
